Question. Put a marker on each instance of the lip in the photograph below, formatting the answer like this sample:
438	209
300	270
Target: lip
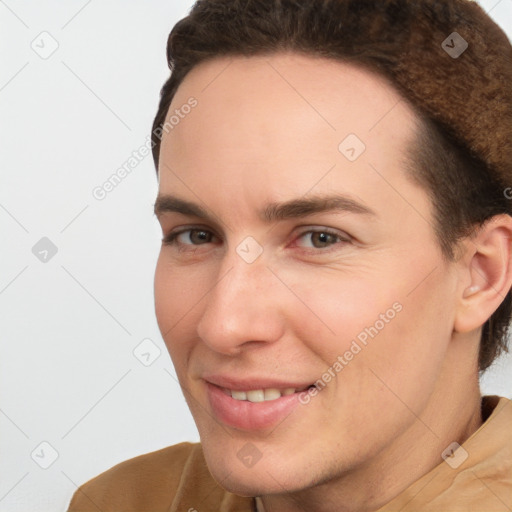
245	415
250	384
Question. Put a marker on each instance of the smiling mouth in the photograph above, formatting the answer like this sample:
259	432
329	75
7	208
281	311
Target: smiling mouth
262	395
249	407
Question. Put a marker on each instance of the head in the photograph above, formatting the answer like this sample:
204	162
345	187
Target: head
333	208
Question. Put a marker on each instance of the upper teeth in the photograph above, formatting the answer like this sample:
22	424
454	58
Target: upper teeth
261	395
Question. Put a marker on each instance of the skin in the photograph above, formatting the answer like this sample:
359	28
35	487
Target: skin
267	130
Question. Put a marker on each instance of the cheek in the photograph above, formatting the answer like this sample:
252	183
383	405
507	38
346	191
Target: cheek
381	320
176	294
403	357
338	309
165	296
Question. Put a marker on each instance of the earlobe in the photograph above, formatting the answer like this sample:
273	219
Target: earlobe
489	273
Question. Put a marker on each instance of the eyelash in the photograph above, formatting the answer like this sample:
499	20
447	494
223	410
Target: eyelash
171	239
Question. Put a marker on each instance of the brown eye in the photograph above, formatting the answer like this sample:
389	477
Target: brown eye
199	236
189	237
320	239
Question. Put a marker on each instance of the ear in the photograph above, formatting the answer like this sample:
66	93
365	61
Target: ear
486	276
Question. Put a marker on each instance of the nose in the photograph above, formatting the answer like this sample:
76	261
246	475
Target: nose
242	310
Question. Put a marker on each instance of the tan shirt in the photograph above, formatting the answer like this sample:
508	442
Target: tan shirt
176	479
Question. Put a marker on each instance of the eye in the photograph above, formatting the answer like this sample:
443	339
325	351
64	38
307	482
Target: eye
320	239
193	236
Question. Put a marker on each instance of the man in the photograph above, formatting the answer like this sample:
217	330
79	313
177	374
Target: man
335	268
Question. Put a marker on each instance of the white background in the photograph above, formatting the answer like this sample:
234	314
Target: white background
68	375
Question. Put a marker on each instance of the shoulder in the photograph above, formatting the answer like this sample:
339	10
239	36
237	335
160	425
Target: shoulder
476	475
146	482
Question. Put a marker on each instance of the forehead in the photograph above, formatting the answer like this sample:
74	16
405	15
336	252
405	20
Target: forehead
275	125
338	95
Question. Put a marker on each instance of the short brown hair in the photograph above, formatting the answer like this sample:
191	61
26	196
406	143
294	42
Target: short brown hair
463	155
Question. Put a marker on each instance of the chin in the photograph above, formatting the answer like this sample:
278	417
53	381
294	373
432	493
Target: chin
250	483
268	476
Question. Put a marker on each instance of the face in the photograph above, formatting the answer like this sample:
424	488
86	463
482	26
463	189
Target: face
298	252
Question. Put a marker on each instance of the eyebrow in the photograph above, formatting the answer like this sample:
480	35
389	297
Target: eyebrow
295	208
